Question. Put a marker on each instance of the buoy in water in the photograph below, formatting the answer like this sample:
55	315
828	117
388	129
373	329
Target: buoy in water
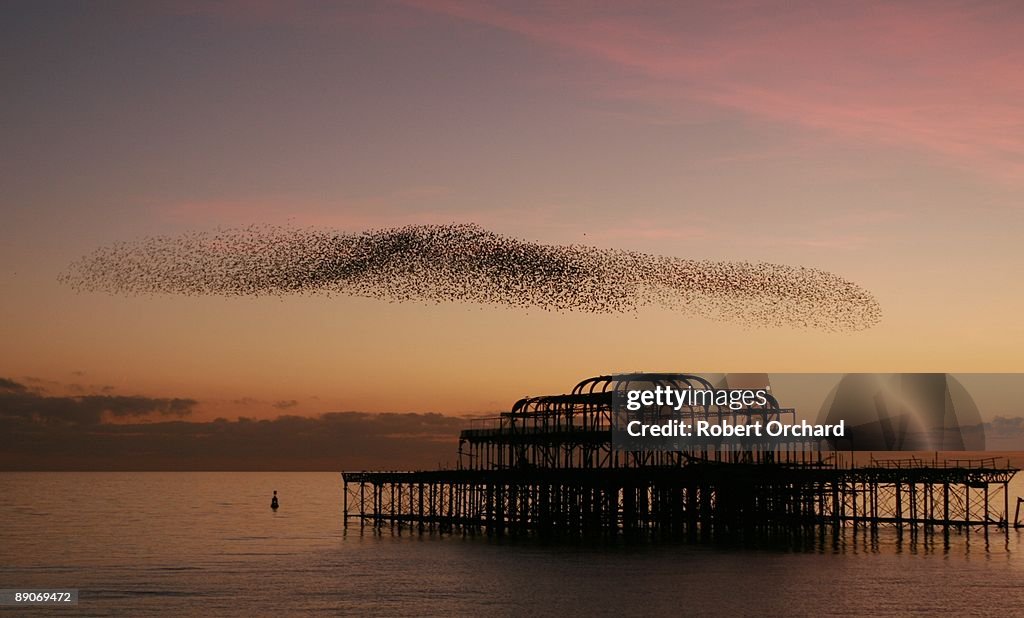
273	501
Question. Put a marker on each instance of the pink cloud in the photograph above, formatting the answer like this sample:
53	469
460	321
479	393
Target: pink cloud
939	78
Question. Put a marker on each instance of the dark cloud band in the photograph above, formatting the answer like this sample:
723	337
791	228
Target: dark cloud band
465	263
47	432
20	403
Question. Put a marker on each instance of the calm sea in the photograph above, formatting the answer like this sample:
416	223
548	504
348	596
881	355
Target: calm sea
208	543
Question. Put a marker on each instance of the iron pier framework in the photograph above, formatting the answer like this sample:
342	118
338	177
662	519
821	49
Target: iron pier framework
548	466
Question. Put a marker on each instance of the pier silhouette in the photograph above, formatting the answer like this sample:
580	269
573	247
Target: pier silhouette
549	467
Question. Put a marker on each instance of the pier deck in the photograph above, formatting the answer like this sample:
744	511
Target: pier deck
695	499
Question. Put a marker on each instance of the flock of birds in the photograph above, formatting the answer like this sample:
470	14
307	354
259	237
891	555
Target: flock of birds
465	263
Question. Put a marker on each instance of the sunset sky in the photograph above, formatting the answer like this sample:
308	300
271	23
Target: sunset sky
880	142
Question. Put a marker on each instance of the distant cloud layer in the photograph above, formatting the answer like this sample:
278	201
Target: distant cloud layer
18	402
1005	433
465	263
44	432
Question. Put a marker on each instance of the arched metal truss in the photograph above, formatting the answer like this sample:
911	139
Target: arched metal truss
574	430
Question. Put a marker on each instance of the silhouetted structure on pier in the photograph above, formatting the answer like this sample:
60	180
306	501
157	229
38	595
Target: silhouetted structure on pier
548	466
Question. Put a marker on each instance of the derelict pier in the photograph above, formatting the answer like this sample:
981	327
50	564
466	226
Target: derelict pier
548	467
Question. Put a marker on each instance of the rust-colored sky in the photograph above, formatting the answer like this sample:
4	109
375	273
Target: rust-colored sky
881	142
